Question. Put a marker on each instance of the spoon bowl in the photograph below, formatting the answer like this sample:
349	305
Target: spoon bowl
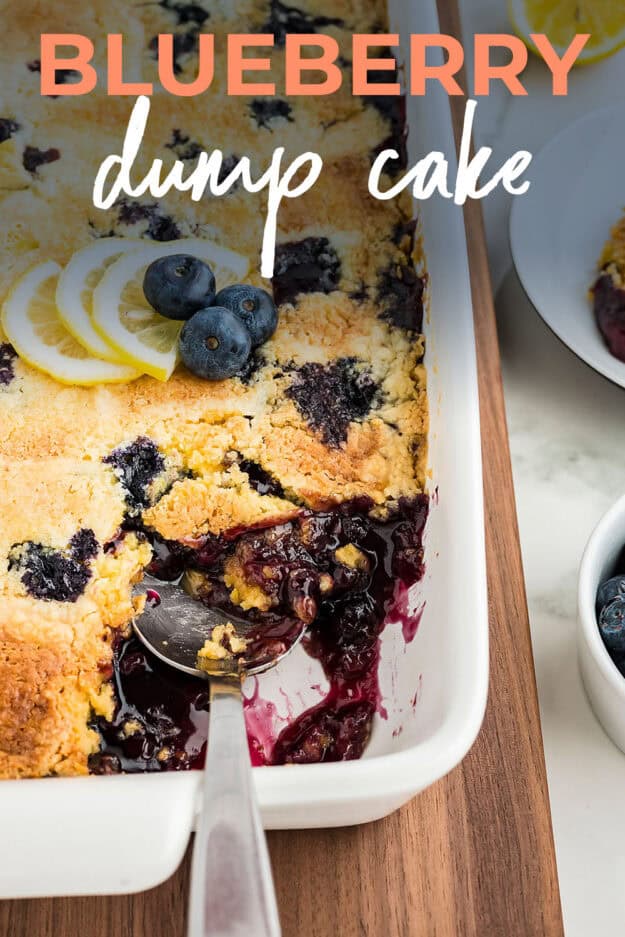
175	626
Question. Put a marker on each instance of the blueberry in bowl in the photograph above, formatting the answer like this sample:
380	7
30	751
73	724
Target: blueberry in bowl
179	285
214	344
612	625
610	609
254	307
609	590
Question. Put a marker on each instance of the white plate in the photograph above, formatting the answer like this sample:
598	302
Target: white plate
116	834
558	230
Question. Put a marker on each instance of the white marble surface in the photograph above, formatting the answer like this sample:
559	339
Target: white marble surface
567	434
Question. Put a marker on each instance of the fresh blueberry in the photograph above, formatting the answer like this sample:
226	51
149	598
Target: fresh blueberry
179	285
215	344
612	624
609	590
254	307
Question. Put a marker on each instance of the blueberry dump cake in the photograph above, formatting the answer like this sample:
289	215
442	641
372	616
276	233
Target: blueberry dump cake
608	293
292	490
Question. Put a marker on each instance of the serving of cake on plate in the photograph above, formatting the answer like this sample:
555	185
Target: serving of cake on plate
294	488
608	292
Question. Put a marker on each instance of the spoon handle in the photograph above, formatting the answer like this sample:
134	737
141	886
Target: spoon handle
232	893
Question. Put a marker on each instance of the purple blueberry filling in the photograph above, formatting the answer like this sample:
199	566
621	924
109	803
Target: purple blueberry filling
84	546
400	294
7	363
260	480
332	396
62	76
54	575
393	110
160	227
308	266
183	146
266	111
326	733
161	719
284	19
228	164
33	157
101	763
160	722
136	466
186	12
184	43
8	127
609	306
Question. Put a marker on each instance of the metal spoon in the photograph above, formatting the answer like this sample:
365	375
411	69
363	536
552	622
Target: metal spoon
232	892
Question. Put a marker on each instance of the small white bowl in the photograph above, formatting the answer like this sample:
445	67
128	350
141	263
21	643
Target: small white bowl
604	684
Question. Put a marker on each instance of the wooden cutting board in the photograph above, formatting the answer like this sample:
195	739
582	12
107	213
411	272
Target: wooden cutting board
473	856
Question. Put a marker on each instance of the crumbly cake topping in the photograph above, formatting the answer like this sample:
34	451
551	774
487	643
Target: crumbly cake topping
330	410
612	260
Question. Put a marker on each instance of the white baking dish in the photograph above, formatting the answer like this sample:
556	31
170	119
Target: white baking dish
119	834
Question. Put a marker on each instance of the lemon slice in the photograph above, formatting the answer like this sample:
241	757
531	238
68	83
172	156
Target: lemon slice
560	20
32	325
123	317
74	293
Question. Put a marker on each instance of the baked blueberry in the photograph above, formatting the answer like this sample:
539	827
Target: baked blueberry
49	575
284	19
308	266
8	127
186	12
400	294
104	763
136	466
332	396
183	146
254	307
612	624
393	109
609	590
407	539
228	165
33	157
185	43
179	285
62	76
215	344
84	545
160	227
326	733
266	111
7	359
260	480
